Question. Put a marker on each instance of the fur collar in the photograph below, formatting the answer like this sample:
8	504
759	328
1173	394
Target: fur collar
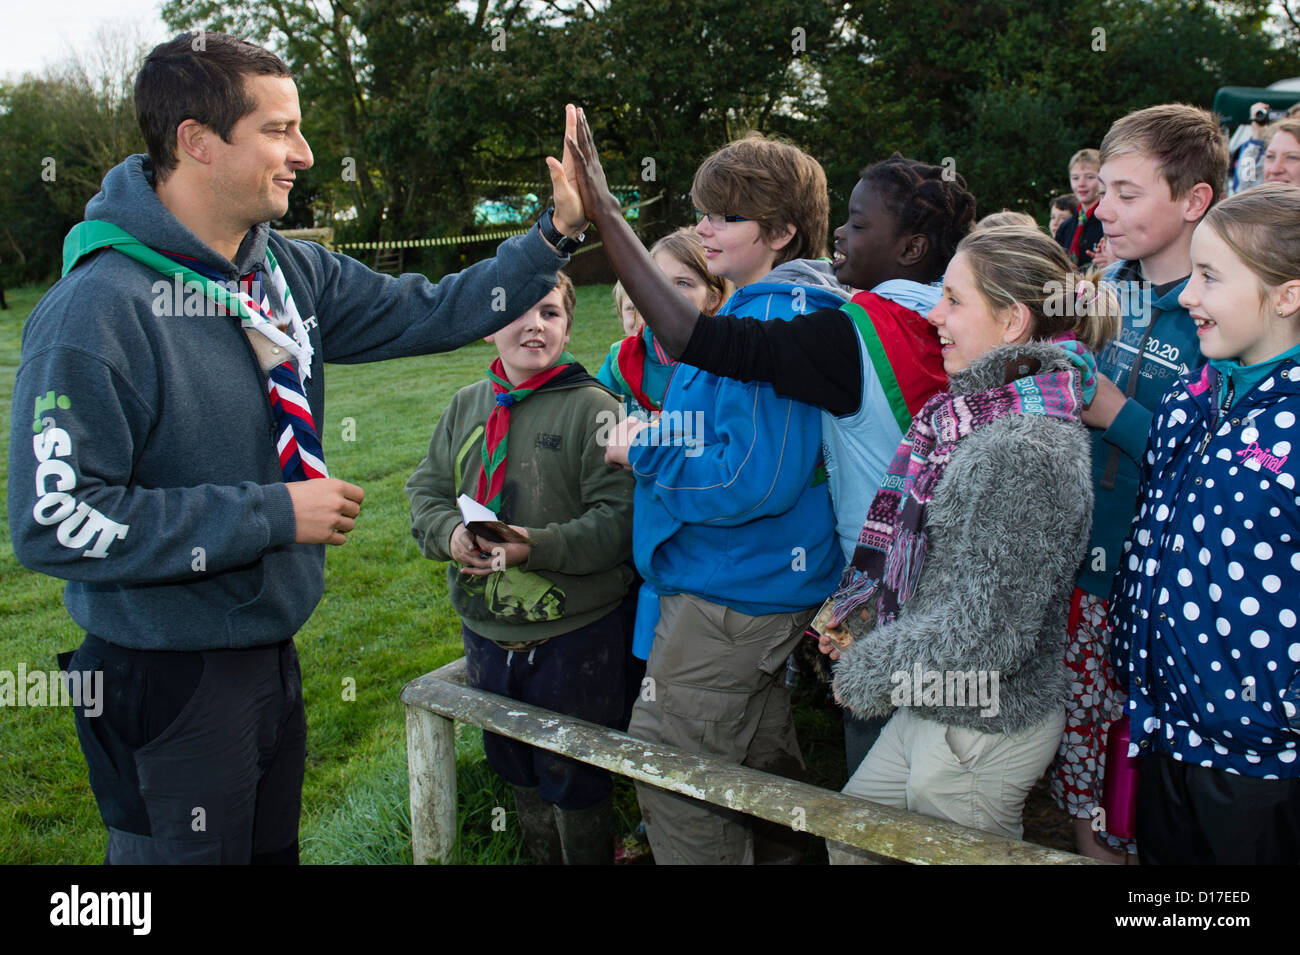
995	368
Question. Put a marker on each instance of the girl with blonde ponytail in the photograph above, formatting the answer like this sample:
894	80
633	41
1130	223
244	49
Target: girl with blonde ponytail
953	606
1016	264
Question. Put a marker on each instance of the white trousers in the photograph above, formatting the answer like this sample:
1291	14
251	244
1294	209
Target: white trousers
979	780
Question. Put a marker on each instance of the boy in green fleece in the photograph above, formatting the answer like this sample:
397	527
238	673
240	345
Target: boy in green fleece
543	620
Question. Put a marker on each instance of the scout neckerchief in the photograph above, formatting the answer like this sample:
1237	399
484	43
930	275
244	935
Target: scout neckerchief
904	351
1081	222
492	472
631	367
891	548
298	443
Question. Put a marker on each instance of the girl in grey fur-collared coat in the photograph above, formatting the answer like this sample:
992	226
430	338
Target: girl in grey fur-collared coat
965	567
1008	526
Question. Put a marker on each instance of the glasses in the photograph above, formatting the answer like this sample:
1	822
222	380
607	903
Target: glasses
717	219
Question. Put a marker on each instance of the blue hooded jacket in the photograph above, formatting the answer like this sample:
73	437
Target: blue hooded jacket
1204	609
730	505
1161	331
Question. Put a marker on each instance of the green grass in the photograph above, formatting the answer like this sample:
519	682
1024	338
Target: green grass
384	620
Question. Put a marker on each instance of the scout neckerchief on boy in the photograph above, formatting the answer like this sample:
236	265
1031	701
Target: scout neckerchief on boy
630	365
887	562
1081	222
492	473
298	443
904	351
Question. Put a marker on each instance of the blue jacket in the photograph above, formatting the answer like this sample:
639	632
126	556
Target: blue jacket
728	503
1204	608
1162	329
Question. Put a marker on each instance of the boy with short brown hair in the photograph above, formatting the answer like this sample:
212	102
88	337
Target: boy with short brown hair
755	178
734	532
543	619
1161	168
1059	209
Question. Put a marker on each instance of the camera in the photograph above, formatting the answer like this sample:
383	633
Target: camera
1259	116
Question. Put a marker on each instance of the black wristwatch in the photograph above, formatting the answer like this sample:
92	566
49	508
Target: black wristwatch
563	244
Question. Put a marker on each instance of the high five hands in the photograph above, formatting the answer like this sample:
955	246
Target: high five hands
588	176
570	217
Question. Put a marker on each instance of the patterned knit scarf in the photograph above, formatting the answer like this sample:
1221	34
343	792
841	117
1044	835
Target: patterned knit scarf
492	473
887	562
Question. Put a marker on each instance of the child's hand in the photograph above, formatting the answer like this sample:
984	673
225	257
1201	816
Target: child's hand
829	647
1102	257
570	217
467	551
599	202
620	439
479	558
514	553
1106	405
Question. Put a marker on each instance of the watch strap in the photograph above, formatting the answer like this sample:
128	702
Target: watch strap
564	244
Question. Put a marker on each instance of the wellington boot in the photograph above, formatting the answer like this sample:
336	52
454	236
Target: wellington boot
587	835
537	821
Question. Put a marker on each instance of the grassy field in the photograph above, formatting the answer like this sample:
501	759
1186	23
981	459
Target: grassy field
384	620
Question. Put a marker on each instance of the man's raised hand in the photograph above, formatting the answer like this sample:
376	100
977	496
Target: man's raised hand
570	217
324	510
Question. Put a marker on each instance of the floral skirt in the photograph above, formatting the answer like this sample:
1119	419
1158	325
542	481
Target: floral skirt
1096	701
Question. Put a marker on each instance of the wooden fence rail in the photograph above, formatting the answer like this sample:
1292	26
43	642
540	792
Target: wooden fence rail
436	700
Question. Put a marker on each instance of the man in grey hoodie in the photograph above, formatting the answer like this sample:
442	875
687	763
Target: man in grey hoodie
164	449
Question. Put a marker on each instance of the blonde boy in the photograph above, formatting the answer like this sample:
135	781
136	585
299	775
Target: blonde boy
1080	233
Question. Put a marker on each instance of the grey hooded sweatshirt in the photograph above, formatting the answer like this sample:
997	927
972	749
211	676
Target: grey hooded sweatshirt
143	462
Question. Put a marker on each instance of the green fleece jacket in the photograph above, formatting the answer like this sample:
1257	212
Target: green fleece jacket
577	509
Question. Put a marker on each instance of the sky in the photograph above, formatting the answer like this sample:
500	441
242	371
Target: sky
39	34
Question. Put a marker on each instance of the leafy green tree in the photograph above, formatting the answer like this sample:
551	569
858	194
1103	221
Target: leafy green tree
411	105
431	98
1010	89
62	132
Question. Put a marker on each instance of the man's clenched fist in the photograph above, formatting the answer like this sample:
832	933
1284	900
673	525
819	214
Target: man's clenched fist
324	510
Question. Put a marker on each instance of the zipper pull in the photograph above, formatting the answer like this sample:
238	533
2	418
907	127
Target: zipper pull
1219	413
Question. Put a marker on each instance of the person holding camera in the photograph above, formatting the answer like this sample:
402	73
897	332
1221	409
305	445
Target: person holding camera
1247	157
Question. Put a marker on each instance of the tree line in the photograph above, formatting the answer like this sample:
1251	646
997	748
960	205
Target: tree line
412	106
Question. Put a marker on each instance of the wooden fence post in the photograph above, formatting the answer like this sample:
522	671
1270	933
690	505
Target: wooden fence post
431	767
